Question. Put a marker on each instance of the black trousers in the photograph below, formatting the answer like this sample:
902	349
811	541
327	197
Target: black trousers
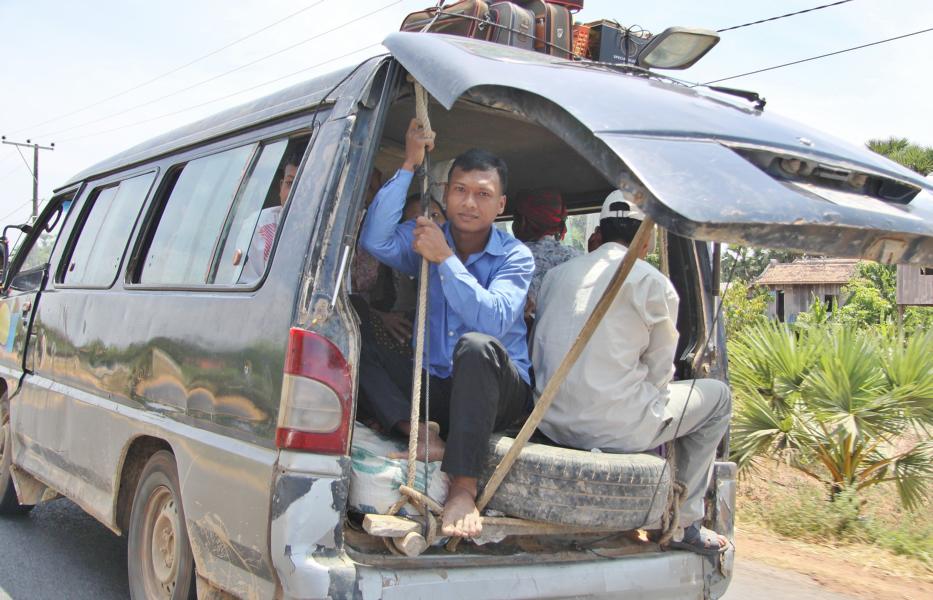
484	394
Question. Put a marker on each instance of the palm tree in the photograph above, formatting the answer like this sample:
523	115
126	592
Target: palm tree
837	403
914	157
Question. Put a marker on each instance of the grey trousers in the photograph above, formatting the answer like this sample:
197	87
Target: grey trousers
705	421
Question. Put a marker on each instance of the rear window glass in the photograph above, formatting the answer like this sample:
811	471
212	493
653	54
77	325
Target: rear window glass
105	231
220	215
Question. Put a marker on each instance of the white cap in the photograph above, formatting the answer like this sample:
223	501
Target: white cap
617	204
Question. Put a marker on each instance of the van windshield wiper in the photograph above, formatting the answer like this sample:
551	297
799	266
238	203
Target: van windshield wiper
753	97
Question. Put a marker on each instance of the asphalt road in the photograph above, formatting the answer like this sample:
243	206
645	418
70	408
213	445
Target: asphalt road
58	551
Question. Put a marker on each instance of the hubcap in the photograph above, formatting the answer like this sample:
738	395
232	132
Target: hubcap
3	429
162	521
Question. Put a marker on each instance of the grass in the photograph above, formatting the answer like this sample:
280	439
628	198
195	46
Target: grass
790	505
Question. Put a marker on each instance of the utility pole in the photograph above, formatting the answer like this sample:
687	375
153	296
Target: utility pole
35	167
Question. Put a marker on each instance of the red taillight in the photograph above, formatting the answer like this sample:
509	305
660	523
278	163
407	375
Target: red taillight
316	393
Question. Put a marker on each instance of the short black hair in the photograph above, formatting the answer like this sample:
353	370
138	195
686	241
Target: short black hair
476	159
619	229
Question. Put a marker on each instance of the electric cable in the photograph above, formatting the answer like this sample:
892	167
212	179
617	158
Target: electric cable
16	210
220	98
174	70
225	73
26	162
799	12
797	62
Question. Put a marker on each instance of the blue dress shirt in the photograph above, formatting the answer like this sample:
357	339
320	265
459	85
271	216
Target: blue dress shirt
486	294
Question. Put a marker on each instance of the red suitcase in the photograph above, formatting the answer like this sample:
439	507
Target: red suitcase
511	25
468	18
553	28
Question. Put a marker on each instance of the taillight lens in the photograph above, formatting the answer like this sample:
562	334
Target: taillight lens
316	394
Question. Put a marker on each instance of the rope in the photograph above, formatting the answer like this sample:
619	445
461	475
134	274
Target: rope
421	113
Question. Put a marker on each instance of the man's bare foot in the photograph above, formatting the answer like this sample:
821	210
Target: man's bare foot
428	435
460	518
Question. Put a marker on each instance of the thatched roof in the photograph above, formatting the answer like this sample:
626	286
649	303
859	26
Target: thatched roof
809	271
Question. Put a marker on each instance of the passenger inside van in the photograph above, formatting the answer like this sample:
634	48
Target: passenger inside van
620	397
478	357
541	222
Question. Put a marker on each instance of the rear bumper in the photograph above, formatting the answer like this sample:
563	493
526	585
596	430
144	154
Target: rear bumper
310	562
671	575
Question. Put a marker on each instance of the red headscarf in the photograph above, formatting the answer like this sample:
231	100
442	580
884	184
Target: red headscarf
540	213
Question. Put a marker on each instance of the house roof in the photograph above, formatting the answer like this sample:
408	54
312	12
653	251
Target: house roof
809	271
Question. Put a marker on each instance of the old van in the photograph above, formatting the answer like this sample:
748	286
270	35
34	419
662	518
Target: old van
208	414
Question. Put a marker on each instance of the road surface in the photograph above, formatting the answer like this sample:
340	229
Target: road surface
58	551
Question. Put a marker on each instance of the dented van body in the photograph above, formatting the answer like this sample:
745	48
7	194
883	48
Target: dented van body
97	378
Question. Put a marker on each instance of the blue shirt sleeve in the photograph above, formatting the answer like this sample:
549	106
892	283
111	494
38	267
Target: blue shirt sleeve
382	235
495	309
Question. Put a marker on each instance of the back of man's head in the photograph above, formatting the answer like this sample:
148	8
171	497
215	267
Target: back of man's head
619	219
476	159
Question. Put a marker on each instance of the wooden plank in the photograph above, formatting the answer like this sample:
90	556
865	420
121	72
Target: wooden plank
400	527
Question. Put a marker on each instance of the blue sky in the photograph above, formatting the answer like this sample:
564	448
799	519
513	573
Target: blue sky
59	57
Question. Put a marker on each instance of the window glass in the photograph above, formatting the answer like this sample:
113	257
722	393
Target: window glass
103	237
252	225
41	249
182	246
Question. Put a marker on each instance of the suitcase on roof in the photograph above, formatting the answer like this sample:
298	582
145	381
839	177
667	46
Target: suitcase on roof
553	28
511	25
468	18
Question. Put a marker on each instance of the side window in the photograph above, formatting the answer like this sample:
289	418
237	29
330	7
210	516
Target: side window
250	231
197	199
107	223
41	249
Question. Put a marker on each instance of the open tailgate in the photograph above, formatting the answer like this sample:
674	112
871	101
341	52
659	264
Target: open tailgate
717	168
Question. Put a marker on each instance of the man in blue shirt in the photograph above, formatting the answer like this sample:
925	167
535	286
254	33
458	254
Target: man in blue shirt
477	353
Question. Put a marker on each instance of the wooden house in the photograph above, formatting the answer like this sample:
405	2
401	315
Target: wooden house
795	285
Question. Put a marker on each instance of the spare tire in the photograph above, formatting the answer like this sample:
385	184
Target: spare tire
618	492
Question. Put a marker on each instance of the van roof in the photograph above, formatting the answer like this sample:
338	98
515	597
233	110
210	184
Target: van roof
290	100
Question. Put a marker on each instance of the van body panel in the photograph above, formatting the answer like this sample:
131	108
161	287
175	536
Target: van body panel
673	576
682	142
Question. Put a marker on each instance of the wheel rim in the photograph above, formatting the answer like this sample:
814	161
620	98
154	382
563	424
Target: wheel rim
161	552
3	429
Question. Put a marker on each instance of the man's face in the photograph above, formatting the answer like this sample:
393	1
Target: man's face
285	187
474	200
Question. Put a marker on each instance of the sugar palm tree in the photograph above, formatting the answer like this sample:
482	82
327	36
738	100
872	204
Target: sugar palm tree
840	404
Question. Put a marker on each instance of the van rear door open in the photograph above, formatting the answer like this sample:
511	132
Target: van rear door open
718	168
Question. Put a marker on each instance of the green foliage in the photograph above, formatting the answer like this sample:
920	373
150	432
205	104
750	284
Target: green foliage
914	157
743	305
834	403
747	264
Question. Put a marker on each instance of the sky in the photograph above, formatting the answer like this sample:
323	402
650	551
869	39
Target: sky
99	76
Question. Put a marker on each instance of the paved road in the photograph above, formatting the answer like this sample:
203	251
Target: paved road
57	551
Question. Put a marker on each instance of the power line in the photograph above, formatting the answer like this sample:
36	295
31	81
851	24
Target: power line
224	97
797	62
25	162
15	210
176	69
799	12
225	73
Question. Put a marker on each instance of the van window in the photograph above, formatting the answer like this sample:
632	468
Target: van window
41	249
250	230
198	197
104	232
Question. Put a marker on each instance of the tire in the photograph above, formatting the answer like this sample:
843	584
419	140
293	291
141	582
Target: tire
617	492
159	559
9	505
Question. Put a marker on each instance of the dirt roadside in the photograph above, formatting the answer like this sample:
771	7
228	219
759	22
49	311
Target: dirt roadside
858	571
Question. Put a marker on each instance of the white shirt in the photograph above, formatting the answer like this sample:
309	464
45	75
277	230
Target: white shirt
260	237
615	396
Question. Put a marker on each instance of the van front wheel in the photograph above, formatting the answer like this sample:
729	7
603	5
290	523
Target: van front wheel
159	558
9	505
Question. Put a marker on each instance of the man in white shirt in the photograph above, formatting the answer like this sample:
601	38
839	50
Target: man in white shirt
261	236
619	396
